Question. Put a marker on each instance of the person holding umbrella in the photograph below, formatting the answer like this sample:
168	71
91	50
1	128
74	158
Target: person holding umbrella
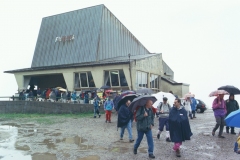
179	126
231	105
219	109
125	117
145	122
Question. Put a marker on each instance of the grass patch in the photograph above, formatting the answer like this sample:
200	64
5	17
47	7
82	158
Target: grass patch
42	118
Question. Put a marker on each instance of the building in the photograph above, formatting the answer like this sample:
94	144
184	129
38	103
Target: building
89	48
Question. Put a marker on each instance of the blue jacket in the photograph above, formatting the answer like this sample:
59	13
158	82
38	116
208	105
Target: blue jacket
193	104
96	103
108	105
74	96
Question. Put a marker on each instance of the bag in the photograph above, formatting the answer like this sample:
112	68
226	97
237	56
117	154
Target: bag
109	106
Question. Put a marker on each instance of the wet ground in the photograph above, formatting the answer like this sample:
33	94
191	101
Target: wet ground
93	139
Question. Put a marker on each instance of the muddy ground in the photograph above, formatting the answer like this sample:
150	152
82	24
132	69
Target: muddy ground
93	139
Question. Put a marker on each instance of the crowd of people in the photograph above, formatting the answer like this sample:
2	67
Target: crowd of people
56	95
175	120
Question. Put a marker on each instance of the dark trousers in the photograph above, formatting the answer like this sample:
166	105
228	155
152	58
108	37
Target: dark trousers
232	129
193	113
220	123
163	122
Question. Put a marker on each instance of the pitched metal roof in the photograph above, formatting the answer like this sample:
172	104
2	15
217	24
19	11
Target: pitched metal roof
110	61
86	35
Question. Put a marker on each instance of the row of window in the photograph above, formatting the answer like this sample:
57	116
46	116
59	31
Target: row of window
116	78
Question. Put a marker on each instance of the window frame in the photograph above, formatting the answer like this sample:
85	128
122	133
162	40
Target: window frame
109	74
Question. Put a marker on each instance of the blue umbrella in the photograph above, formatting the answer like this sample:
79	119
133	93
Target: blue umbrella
141	101
233	119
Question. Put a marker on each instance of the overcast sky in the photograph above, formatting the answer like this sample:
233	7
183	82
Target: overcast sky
199	39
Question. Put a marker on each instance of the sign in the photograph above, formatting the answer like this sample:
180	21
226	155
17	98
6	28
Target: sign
64	38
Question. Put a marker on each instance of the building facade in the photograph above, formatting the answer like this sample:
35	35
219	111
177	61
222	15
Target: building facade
89	48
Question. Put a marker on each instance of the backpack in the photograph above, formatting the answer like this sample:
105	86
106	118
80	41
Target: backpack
109	105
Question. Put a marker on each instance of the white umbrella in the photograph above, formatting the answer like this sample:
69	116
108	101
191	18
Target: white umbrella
62	89
171	98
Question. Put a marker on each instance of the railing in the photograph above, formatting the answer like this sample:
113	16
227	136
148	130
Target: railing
58	99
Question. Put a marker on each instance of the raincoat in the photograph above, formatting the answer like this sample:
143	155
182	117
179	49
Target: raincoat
124	116
179	126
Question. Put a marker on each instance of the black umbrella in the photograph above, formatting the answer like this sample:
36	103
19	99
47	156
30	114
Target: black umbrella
141	101
230	89
130	95
105	87
145	90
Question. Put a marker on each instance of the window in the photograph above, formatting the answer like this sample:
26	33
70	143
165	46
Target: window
76	81
154	81
123	79
141	79
83	80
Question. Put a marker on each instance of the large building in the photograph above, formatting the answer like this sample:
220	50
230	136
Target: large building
89	48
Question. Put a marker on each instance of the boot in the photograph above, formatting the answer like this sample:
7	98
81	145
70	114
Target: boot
227	129
232	131
178	153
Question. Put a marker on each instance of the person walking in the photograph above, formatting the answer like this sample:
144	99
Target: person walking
219	109
231	105
145	122
108	106
96	107
164	109
187	106
179	126
125	117
193	106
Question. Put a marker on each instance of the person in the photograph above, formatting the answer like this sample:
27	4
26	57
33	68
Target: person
173	94
237	144
48	93
96	107
193	106
68	96
108	106
187	105
179	126
145	122
86	98
164	109
64	97
219	109
39	93
231	105
52	96
115	101
21	95
74	97
30	95
125	117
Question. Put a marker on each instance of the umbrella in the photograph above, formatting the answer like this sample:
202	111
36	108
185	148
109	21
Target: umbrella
188	95
105	87
233	119
141	101
145	90
171	98
62	89
125	95
58	87
230	89
217	92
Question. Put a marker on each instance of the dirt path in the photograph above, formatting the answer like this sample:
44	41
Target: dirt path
93	139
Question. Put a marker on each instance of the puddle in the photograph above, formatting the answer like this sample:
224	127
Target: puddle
11	124
53	134
44	156
7	144
49	143
23	148
78	141
90	158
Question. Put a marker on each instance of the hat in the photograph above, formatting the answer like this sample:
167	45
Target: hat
165	98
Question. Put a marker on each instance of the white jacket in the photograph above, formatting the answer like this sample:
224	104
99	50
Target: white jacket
187	106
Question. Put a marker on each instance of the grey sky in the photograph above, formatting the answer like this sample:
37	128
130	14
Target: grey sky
199	39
